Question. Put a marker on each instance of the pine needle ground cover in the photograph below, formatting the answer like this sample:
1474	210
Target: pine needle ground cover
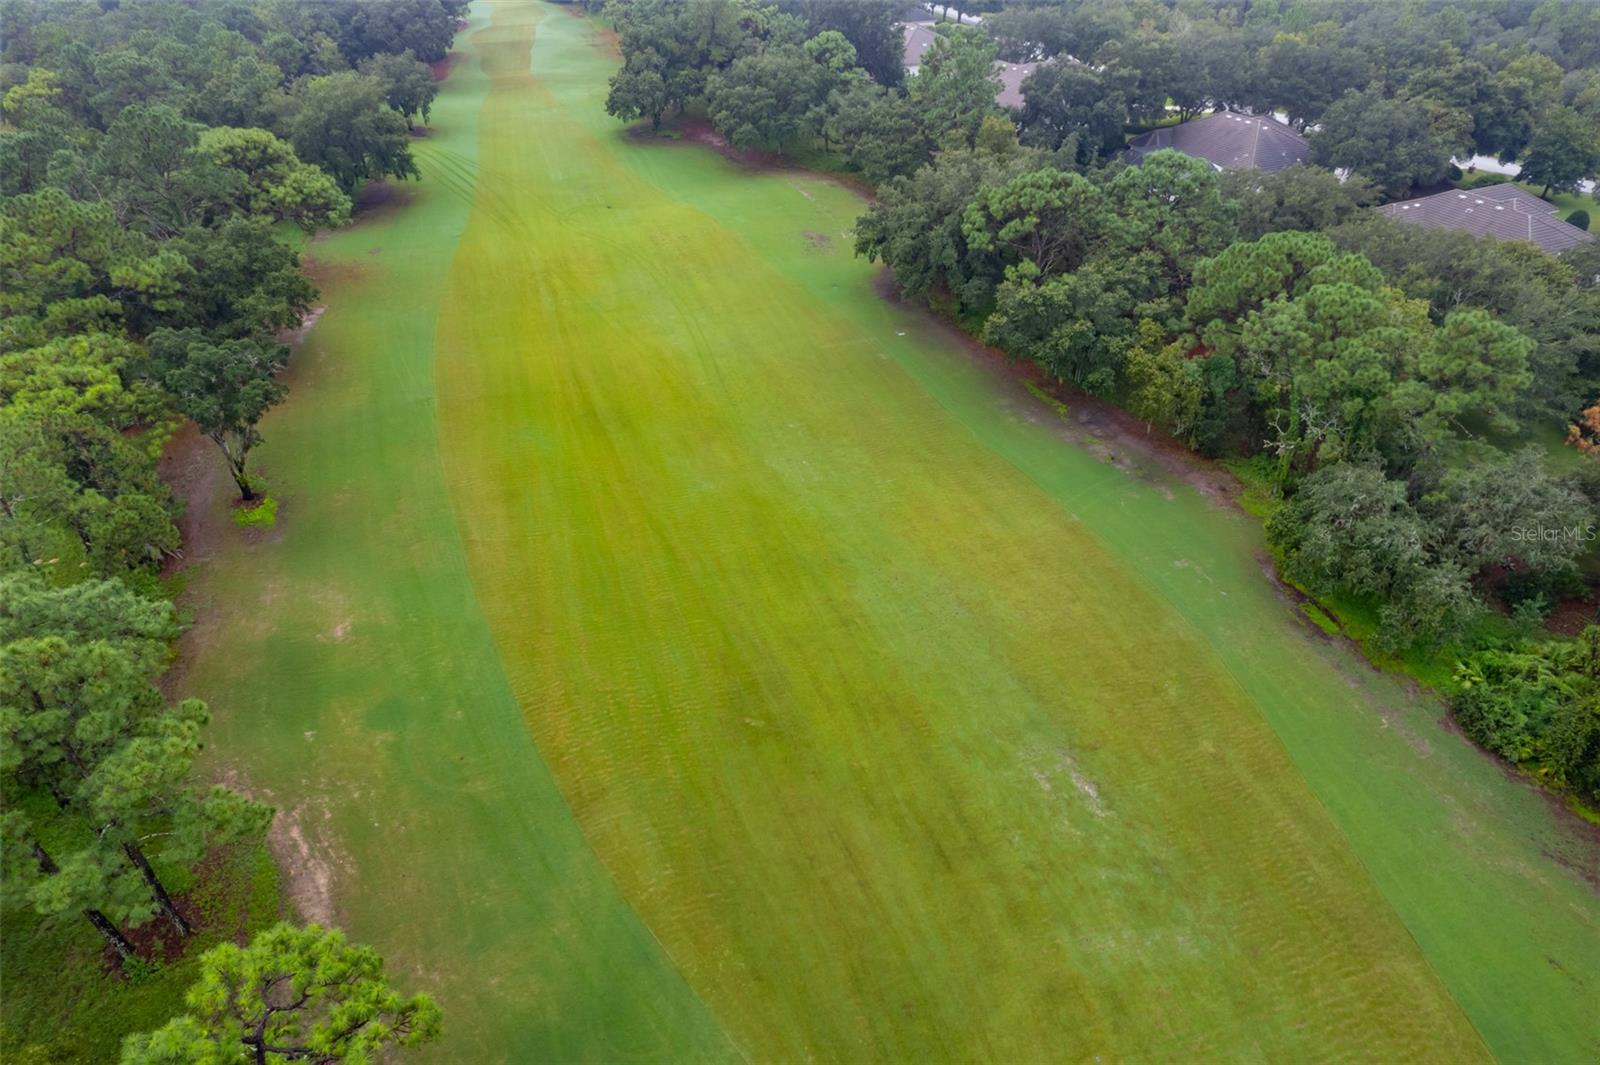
669	649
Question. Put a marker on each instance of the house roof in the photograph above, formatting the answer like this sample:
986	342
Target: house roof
1229	141
1504	212
1012	75
920	38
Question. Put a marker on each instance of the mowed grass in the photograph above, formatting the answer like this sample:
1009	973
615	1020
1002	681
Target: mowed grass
910	732
894	726
356	685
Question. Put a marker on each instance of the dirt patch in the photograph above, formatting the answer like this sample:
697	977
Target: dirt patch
293	337
308	866
441	67
1572	616
192	469
605	38
377	198
818	241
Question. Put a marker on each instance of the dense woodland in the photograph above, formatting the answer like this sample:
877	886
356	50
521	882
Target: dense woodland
153	158
1385	387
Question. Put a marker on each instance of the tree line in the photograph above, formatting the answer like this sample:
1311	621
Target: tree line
797	73
1389	91
151	154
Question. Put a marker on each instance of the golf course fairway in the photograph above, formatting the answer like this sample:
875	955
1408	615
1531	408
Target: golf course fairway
671	650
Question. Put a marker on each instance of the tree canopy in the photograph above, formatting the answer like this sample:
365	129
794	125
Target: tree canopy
293	994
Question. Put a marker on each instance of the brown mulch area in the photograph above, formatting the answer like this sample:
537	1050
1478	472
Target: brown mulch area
192	469
1572	616
155	940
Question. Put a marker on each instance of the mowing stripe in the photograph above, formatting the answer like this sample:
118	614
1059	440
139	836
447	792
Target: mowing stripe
357	685
891	753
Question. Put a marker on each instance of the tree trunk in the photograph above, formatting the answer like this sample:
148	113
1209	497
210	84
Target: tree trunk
163	900
113	934
247	491
101	922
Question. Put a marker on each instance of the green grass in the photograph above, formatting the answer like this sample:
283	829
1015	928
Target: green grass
1258	475
60	1005
674	651
1038	392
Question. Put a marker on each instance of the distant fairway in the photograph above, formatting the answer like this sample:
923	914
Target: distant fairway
688	655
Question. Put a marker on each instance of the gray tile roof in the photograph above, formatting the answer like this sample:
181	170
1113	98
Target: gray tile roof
1229	141
919	38
1012	75
1505	212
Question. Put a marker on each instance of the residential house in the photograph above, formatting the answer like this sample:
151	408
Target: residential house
1504	212
1228	140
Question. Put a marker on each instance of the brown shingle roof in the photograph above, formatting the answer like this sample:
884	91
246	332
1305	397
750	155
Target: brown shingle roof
1504	212
1229	141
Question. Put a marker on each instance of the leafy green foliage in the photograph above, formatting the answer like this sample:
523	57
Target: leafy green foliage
1541	296
272	182
871	26
293	993
1349	529
1395	143
61	1005
224	386
955	85
409	85
82	723
264	515
1564	151
778	96
343	123
1298	197
1538	704
1069	106
878	130
1048	218
670	49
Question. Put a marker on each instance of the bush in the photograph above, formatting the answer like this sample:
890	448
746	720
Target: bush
1579	218
1538	704
264	515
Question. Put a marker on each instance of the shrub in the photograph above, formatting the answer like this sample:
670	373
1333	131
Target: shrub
1579	218
264	515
